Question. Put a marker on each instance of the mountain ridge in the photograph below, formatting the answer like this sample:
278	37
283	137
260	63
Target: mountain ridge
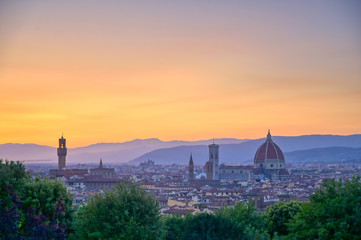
232	150
244	152
111	152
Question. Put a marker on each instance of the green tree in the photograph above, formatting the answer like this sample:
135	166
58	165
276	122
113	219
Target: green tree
251	223
9	213
12	174
32	209
12	179
279	215
202	226
334	212
126	212
173	226
47	209
205	226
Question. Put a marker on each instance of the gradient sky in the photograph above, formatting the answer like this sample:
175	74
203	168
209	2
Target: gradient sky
111	71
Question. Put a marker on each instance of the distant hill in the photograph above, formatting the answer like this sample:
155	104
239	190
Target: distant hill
110	152
325	155
232	151
15	151
242	153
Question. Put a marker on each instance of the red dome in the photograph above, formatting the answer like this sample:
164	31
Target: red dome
268	150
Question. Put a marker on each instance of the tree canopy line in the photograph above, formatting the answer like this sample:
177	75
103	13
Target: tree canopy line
34	208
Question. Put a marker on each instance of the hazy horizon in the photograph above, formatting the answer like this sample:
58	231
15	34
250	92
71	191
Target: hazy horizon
231	150
55	144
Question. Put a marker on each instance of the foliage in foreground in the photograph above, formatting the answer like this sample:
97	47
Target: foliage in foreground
239	222
32	209
200	226
279	215
334	212
250	222
126	212
41	209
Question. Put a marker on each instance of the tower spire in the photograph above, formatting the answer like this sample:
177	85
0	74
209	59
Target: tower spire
269	136
191	169
101	163
191	159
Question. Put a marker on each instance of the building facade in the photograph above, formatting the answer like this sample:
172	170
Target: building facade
269	163
102	171
235	172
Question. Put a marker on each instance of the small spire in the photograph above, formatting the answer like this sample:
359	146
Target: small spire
101	163
191	160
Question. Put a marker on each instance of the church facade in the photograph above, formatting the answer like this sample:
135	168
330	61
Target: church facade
269	163
102	171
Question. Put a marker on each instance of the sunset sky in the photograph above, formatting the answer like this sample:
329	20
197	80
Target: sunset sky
113	71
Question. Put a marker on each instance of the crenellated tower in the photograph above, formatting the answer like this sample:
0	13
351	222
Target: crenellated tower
62	153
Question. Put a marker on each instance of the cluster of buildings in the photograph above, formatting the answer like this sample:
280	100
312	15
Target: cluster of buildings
184	189
269	163
80	180
176	196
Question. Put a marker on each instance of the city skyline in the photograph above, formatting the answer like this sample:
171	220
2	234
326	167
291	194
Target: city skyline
116	71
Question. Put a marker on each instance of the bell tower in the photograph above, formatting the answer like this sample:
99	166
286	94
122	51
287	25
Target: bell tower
191	169
214	160
62	153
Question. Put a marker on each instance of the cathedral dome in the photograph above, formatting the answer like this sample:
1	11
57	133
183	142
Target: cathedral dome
268	151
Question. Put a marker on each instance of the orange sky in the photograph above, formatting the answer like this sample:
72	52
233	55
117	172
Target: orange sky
110	71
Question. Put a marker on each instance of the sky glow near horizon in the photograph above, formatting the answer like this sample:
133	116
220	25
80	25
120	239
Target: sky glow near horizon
112	71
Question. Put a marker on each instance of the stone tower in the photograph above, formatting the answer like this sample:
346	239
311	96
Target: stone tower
191	169
62	153
214	160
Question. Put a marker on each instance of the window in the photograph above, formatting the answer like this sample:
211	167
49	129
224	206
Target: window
280	165
261	165
271	165
232	171
211	156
